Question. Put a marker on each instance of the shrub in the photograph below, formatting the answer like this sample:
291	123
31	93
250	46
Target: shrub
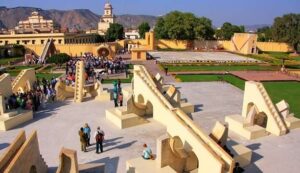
59	58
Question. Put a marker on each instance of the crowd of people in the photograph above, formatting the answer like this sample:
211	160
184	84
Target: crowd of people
41	92
85	137
92	64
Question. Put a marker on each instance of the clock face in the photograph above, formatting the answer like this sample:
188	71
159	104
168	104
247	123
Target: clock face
103	52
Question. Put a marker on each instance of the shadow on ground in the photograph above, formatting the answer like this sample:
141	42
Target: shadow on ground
111	164
199	108
44	113
4	145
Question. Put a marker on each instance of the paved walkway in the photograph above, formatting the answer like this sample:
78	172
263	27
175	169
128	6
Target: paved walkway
264	76
153	69
58	127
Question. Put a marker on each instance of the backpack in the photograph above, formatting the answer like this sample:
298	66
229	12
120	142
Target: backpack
99	137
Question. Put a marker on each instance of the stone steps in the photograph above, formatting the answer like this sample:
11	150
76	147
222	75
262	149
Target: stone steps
124	119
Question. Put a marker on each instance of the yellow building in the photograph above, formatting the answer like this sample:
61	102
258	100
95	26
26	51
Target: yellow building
244	43
41	38
107	18
35	23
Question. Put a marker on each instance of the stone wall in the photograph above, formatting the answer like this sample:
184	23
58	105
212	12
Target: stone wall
27	158
274	47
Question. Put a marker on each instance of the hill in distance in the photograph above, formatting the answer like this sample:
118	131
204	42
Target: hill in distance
82	19
79	18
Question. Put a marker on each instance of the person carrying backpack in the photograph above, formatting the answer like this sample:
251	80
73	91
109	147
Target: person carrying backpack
99	136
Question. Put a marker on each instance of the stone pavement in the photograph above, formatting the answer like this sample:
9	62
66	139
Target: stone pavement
264	76
190	56
215	100
58	127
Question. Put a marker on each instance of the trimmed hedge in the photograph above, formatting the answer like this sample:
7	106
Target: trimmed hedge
59	58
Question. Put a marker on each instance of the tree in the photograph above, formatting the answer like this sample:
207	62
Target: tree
143	28
160	30
183	26
264	34
203	29
114	32
227	31
287	29
59	58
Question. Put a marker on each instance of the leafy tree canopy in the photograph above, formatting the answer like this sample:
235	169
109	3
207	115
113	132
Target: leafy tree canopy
264	34
287	29
114	32
183	26
143	28
227	31
59	58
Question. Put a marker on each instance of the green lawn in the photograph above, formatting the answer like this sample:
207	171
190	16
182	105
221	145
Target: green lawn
297	58
47	69
181	68
275	57
14	71
110	81
48	76
289	91
208	78
4	61
280	55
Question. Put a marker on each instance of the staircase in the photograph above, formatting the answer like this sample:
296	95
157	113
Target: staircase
187	122
273	111
45	51
155	90
79	82
20	75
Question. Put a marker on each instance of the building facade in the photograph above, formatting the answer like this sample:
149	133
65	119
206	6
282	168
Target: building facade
35	24
107	19
132	34
42	38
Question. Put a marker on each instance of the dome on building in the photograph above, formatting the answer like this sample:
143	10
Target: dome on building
107	5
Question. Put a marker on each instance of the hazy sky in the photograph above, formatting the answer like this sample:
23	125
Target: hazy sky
247	12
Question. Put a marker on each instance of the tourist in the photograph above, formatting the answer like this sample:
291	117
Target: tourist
115	94
147	152
53	82
6	103
87	132
237	168
44	83
99	137
166	71
120	99
82	140
29	103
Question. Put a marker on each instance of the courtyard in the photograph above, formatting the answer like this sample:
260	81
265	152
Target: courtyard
58	127
187	56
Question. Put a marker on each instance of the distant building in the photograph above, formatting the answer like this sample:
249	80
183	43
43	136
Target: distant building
132	34
41	38
35	24
107	18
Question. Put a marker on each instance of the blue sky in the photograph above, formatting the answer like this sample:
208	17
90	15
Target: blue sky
247	12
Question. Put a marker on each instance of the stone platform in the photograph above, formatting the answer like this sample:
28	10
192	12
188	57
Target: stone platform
58	126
